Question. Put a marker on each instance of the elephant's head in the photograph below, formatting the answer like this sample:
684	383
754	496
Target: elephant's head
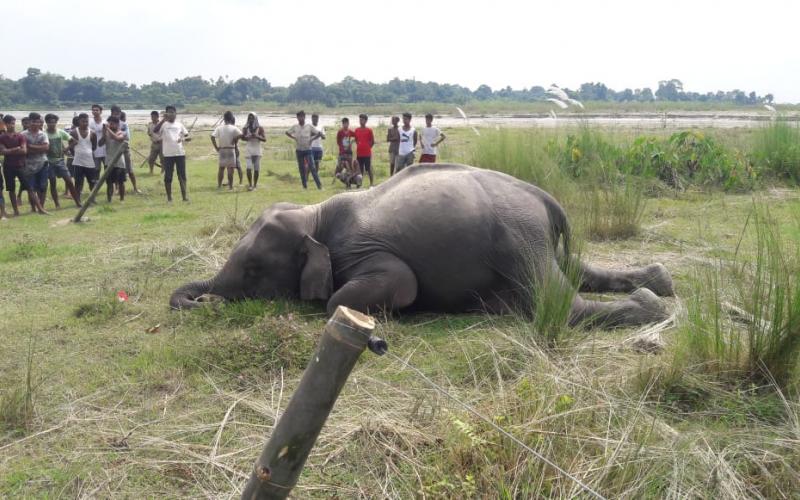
277	257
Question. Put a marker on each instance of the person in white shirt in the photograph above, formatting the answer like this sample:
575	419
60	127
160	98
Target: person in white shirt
408	144
304	134
97	125
254	135
430	138
316	144
173	136
224	139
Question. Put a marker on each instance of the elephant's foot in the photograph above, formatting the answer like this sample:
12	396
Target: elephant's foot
657	279
642	307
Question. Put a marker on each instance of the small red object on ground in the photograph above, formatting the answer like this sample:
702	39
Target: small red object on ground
122	296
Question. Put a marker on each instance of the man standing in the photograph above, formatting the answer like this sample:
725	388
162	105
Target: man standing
155	142
430	138
303	134
13	147
316	144
55	160
35	171
364	142
173	136
224	138
96	125
408	144
114	139
83	144
393	138
123	126
254	135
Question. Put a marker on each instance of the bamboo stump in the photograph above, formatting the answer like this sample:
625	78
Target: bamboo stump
345	337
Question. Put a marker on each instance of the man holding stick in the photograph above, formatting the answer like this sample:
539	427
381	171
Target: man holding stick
155	143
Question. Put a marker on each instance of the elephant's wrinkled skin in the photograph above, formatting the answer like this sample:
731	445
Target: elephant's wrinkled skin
436	237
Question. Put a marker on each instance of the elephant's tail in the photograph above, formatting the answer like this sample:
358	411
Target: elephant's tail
559	225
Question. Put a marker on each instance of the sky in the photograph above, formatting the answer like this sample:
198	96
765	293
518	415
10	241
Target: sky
708	45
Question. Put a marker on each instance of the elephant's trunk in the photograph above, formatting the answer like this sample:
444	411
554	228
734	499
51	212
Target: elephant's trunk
185	297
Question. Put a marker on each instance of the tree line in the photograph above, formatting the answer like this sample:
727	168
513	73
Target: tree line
51	89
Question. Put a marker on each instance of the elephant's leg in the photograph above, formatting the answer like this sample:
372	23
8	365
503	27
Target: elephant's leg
641	307
382	282
597	279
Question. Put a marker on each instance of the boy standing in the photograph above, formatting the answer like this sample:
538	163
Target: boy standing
115	139
345	170
224	139
431	137
35	171
155	142
55	160
97	125
316	144
408	144
364	142
303	134
254	135
123	127
173	136
393	138
83	144
13	147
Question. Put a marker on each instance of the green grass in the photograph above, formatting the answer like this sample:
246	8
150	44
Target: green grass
127	398
776	150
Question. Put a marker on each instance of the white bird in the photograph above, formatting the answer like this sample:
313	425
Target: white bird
553	115
558	103
770	108
575	102
558	93
477	132
461	112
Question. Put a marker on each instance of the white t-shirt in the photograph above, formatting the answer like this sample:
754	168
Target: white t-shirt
317	143
171	134
429	135
97	128
302	134
226	134
406	141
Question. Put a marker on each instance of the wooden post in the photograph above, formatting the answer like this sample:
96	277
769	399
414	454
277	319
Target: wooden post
282	459
100	182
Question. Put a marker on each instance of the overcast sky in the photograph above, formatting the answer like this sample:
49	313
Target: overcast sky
709	45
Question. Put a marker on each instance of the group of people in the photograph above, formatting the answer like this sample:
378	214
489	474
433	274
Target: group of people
42	152
350	168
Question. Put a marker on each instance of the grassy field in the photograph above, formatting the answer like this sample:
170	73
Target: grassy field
101	398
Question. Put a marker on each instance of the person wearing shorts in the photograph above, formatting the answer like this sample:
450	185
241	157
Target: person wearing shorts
393	138
316	145
126	155
83	143
407	146
254	135
155	143
224	139
114	139
346	171
14	149
55	160
303	135
365	139
35	171
429	139
173	136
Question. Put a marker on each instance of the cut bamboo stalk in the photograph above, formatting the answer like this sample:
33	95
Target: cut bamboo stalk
346	335
100	182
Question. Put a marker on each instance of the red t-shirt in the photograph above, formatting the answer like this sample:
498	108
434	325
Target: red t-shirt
12	141
344	138
364	140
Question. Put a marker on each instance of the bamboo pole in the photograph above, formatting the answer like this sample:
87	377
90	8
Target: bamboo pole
346	335
100	182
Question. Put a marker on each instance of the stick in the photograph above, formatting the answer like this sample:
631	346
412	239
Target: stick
281	462
100	182
145	158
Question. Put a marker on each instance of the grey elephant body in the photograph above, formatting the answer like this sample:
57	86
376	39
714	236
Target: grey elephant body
435	237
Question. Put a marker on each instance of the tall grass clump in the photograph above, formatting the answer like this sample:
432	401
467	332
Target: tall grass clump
615	212
776	151
522	154
744	314
17	401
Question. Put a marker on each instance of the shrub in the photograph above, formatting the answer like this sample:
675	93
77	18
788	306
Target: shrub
776	151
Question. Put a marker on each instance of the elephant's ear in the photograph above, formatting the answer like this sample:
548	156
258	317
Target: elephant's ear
316	278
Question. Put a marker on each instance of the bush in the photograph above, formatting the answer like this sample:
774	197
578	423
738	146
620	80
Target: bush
616	212
776	151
